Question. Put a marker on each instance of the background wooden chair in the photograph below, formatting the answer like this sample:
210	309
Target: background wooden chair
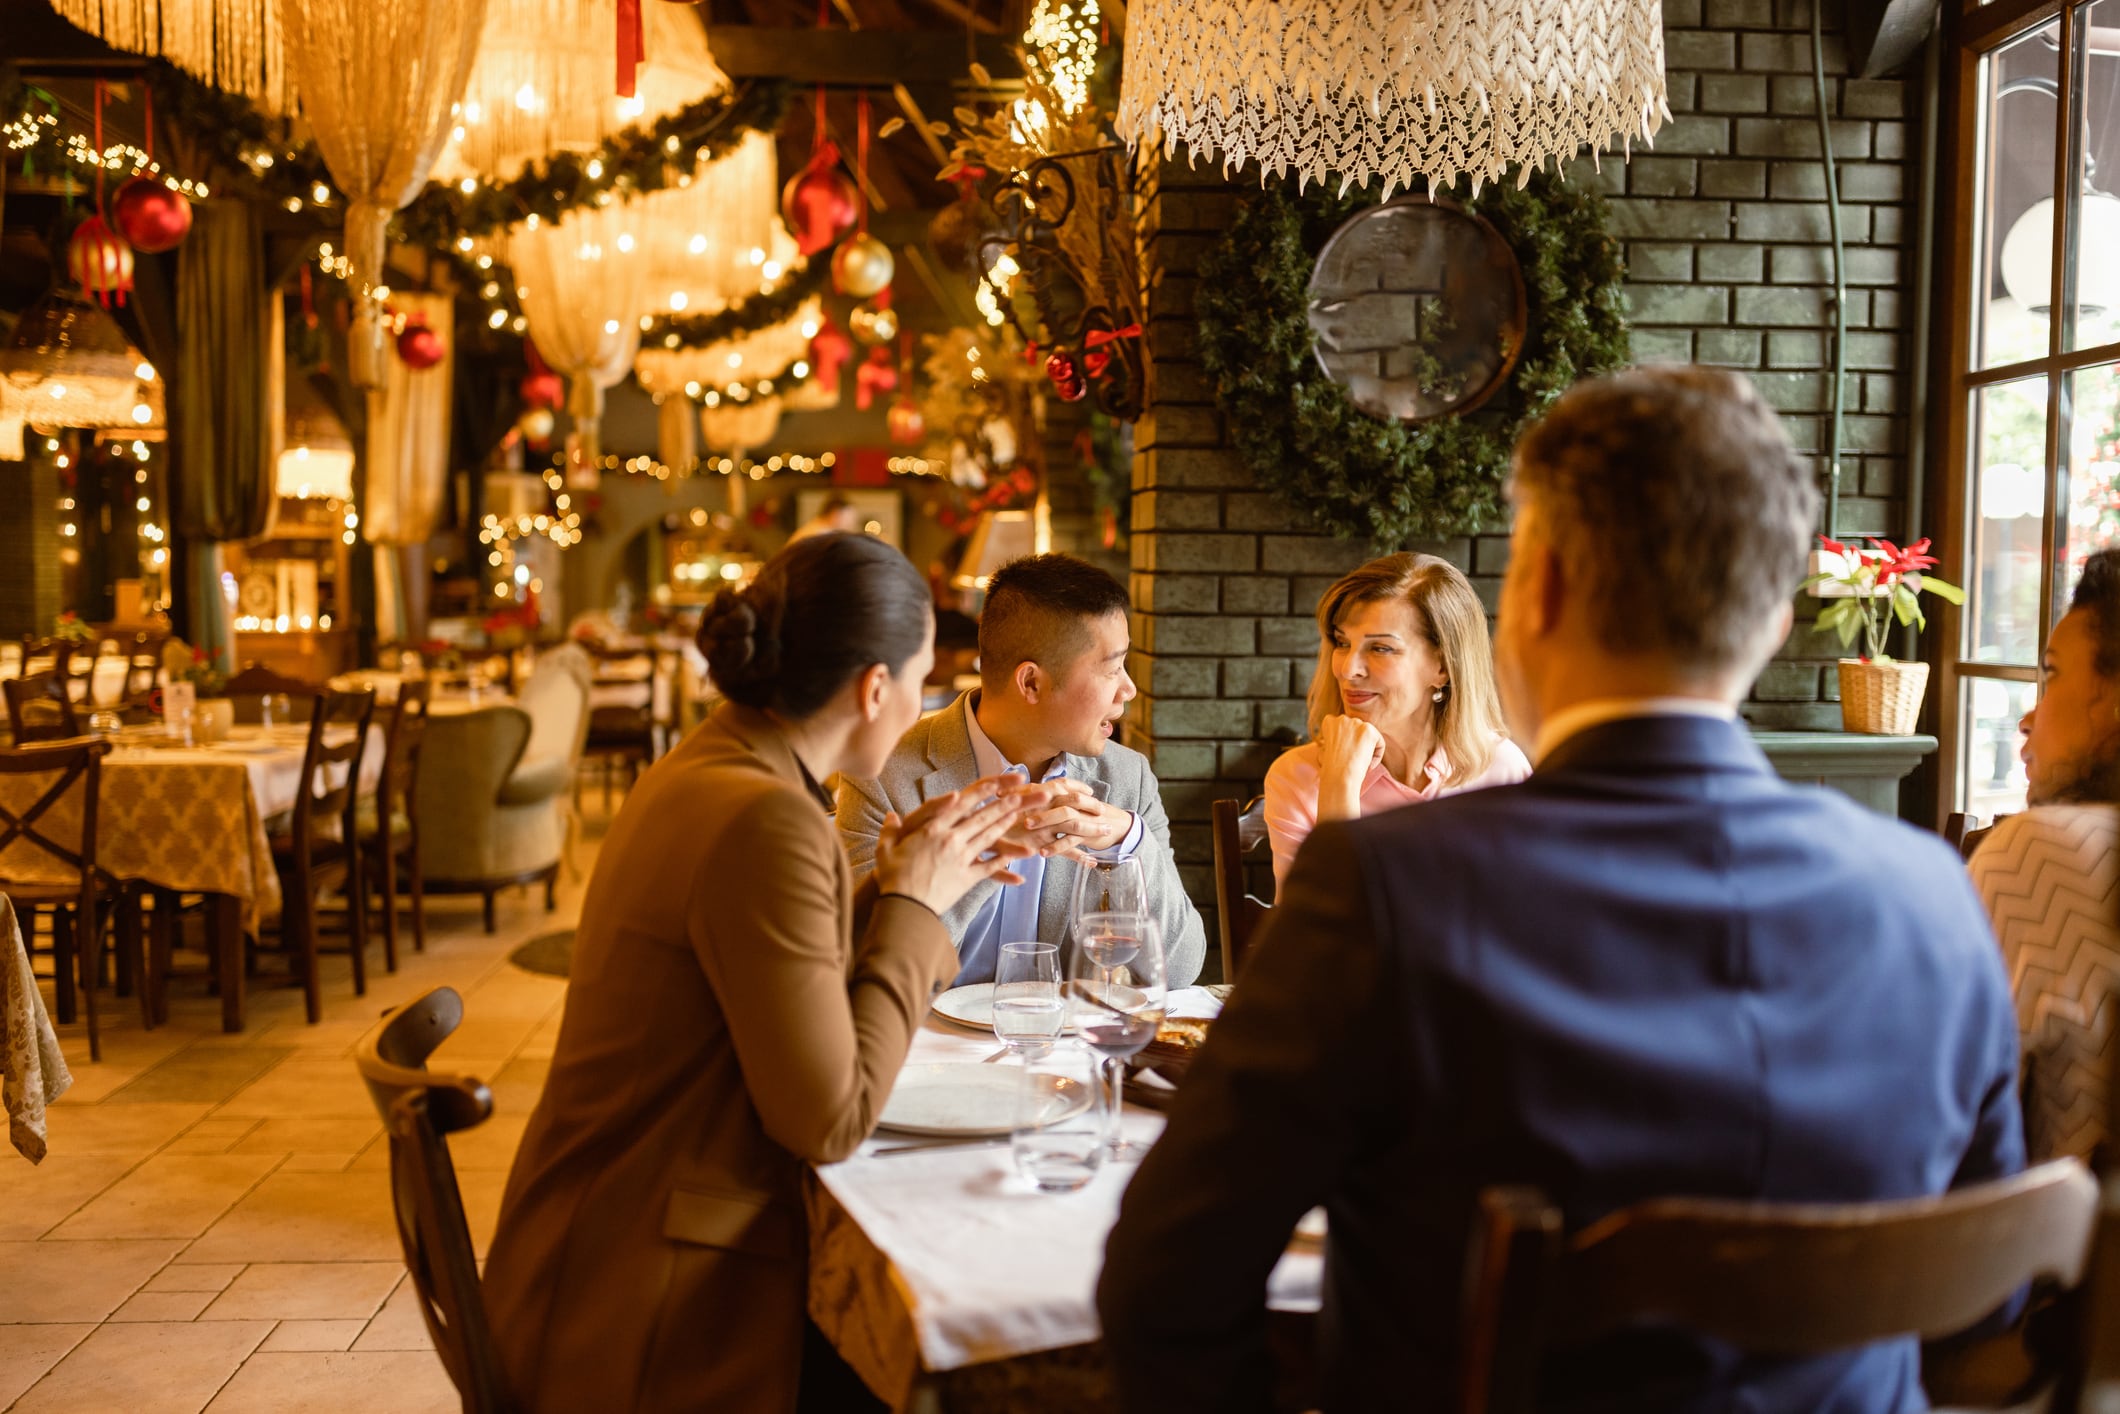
1238	830
79	897
38	709
420	1111
321	847
622	732
248	689
389	832
1788	1279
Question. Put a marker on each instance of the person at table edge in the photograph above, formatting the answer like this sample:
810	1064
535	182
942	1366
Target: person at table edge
1653	968
736	1010
1053	683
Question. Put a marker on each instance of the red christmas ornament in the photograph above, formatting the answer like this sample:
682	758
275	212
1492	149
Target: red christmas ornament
544	389
819	203
100	261
152	216
830	348
875	376
907	425
1067	382
420	347
1023	480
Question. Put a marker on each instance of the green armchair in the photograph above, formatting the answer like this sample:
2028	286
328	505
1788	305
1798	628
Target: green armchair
493	794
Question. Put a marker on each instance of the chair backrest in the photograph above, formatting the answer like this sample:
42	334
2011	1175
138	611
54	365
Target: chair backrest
320	795
42	826
1237	831
420	1110
255	682
46	655
39	708
401	750
556	696
1779	1279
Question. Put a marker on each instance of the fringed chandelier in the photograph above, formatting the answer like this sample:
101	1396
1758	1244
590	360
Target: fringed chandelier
583	284
718	237
1399	91
233	45
542	81
763	353
68	364
378	81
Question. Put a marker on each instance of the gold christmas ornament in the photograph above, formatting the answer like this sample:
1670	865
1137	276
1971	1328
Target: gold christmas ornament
1399	91
872	325
862	266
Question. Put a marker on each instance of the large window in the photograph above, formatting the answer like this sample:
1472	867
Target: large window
2034	424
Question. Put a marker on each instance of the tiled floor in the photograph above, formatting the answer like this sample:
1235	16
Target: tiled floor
211	1229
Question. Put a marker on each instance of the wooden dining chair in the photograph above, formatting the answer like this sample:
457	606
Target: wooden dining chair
247	688
39	709
1238	830
1776	1279
320	849
390	834
621	734
420	1110
81	898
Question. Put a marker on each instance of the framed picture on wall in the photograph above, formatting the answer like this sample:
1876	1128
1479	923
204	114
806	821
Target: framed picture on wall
878	513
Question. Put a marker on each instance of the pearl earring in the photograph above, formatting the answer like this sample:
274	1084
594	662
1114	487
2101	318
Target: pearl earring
1437	695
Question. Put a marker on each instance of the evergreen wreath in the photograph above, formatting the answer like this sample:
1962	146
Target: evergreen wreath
1373	478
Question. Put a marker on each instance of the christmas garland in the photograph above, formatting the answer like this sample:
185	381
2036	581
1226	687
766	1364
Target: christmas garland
644	158
744	316
1360	476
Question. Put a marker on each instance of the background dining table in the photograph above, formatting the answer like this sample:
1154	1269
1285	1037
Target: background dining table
192	820
935	1261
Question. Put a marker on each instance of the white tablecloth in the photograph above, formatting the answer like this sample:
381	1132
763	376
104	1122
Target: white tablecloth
275	775
988	1267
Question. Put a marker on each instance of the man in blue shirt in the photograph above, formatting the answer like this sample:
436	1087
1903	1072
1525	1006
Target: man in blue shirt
1053	684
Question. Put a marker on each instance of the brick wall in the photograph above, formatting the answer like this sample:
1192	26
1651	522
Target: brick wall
1725	229
29	569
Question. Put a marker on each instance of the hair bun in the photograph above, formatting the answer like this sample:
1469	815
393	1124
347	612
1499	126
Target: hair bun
741	640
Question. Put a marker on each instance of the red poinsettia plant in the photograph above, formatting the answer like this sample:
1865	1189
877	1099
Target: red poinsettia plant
512	626
1873	585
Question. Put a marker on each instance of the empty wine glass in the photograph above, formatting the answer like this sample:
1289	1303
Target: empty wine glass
1058	1136
1117	990
1117	887
1028	1012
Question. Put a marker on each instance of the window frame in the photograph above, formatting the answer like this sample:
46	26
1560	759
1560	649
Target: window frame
1972	33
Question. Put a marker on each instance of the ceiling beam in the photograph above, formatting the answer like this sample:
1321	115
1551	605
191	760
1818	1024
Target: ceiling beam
843	58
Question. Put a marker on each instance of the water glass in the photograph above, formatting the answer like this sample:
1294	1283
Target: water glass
1117	991
1058	1138
1117	887
104	722
1028	1011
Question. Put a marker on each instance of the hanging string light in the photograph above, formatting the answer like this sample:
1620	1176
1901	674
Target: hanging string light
1062	40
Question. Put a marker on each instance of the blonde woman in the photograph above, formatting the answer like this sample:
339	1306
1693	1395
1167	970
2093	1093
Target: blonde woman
1403	706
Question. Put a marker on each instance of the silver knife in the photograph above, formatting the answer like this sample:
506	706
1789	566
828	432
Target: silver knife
920	1144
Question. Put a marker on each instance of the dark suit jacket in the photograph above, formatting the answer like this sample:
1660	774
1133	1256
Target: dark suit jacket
1652	969
737	1009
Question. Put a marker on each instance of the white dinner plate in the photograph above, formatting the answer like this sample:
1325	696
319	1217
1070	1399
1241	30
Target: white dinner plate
948	1099
973	1006
250	745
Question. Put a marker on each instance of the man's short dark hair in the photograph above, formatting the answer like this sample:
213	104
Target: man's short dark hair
1677	505
2098	594
1039	610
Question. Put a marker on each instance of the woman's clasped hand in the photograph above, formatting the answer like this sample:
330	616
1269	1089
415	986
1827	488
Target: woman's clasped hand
955	842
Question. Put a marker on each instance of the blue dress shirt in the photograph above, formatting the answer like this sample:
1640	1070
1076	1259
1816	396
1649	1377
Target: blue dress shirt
1011	915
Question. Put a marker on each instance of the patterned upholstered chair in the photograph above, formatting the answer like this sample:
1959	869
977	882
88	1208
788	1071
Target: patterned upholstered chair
2050	878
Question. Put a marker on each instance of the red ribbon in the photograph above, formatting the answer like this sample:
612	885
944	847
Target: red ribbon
861	157
631	49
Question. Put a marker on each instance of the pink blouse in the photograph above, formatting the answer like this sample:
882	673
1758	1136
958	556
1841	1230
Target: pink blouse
1292	792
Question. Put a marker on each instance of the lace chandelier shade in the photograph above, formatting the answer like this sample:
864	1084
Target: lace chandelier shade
234	45
68	364
763	353
583	285
735	428
718	238
377	80
542	81
1394	90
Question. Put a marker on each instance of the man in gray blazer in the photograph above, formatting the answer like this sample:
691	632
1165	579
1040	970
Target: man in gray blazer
1053	683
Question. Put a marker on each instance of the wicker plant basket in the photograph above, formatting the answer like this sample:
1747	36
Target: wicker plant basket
1883	699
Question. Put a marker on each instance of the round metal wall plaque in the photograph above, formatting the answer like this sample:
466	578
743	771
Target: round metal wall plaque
1419	309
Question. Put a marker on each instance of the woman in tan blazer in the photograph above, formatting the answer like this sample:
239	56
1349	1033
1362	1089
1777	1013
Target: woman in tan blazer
736	1009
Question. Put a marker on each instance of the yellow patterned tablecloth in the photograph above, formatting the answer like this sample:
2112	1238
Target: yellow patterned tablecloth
182	819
